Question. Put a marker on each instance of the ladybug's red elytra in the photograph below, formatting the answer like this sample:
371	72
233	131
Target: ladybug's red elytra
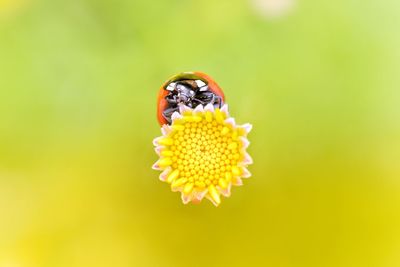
190	89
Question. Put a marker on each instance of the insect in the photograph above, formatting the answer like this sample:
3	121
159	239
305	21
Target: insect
190	89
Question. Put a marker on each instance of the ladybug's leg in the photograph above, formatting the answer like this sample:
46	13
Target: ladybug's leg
217	101
167	113
198	102
205	98
172	99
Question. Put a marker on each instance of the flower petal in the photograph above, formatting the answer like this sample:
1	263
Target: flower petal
244	141
212	200
158	150
209	107
226	192
155	140
247	127
186	198
177	189
199	108
246	173
156	166
176	115
237	181
166	129
224	109
163	176
199	195
162	164
247	159
183	109
213	195
231	121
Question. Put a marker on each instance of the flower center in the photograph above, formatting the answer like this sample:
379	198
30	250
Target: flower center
204	152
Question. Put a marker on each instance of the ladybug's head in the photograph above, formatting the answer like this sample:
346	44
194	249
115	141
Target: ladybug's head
185	91
190	89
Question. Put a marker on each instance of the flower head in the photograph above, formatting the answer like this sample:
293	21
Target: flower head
203	153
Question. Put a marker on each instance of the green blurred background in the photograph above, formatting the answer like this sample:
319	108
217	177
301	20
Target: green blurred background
318	79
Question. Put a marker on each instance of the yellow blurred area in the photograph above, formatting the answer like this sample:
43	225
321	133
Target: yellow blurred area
7	6
320	84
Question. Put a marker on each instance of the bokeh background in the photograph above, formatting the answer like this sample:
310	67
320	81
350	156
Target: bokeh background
318	79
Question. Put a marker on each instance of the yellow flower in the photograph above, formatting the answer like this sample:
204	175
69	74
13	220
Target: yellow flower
203	153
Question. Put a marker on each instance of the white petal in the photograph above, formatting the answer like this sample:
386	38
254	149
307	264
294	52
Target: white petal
186	198
247	159
247	127
176	115
224	109
177	189
237	181
209	107
231	121
199	195
156	166
246	173
155	141
227	191
163	176
158	150
199	108
212	200
183	108
245	142
165	129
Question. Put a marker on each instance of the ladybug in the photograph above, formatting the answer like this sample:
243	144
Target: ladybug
190	89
